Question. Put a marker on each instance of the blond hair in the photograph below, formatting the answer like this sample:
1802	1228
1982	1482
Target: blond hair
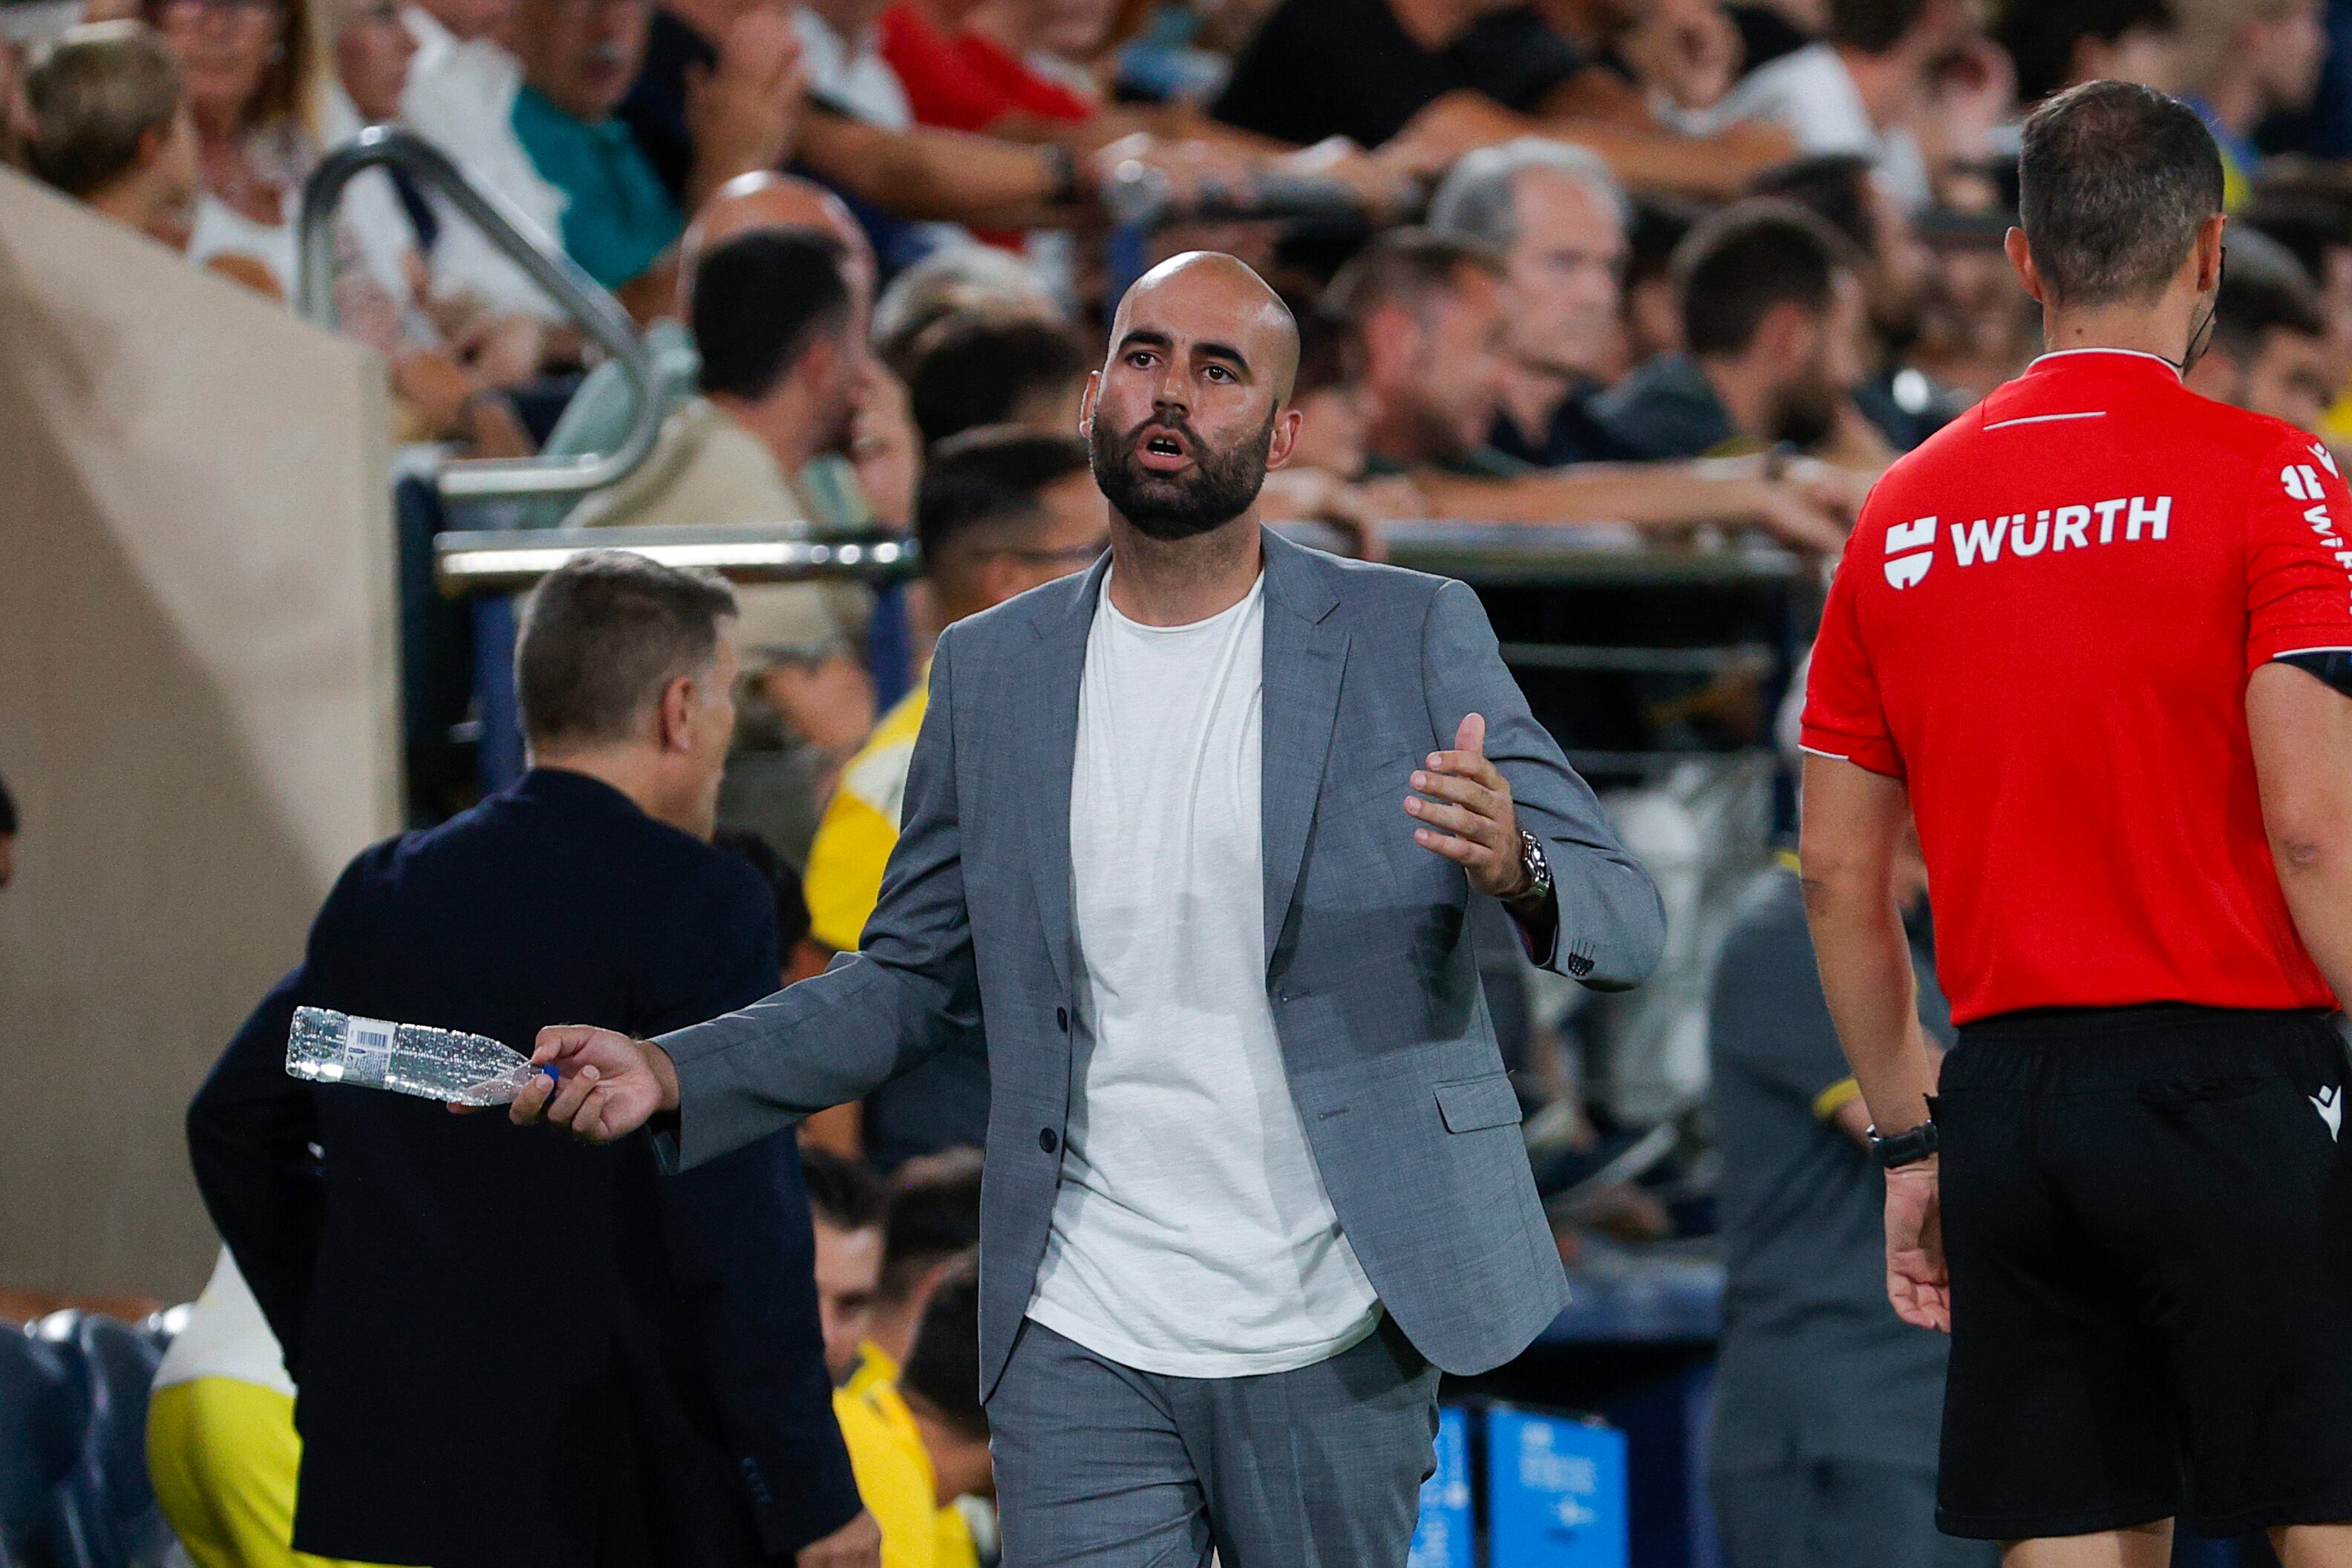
93	94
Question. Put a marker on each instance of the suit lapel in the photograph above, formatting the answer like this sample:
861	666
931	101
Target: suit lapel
1046	732
1305	654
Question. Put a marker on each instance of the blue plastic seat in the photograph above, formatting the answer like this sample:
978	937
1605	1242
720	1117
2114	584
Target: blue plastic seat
105	1515
36	1442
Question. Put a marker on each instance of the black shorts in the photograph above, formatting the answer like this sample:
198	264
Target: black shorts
2148	1220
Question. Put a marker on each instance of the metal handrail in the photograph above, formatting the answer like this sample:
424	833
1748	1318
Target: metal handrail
509	561
598	314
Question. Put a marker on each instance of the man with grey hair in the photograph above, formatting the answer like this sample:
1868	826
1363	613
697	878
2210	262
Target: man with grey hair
402	1256
1557	217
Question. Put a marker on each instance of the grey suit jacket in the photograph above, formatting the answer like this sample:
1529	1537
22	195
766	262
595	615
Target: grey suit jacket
1385	1040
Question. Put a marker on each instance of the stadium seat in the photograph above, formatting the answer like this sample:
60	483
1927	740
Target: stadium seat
37	1441
104	1513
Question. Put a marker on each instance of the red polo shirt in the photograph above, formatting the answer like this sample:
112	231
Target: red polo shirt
2045	624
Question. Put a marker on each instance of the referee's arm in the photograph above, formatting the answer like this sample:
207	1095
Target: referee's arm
1854	822
2301	726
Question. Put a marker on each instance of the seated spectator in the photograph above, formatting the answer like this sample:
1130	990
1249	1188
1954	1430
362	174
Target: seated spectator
110	126
1864	88
2246	60
1003	511
841	50
2054	46
963	279
1556	218
772	322
872	482
974	369
254	79
771	317
2313	218
1798	1470
1441	77
919	1442
847	1204
1653	322
620	219
792	907
2269	352
8	829
934	1221
1898	275
1424	319
1772	316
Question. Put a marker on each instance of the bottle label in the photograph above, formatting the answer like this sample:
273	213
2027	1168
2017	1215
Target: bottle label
367	1049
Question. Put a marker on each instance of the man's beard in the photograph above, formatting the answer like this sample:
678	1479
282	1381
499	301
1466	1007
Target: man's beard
1218	488
1806	416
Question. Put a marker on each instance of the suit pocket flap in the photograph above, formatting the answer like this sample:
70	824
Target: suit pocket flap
1478	1102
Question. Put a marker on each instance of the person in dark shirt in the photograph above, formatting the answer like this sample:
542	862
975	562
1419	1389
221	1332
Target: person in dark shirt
1773	317
1556	215
1424	327
1435	78
1827	1404
1898	278
410	1261
1353	68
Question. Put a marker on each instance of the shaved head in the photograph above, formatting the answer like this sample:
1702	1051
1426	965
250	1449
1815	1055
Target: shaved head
1203	291
767	201
1191	408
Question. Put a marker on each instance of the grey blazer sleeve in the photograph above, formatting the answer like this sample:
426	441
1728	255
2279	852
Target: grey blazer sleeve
1611	925
874	1014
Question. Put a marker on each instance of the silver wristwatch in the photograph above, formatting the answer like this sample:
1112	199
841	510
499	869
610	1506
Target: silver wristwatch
1531	860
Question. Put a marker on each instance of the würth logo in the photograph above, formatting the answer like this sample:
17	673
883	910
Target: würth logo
1904	571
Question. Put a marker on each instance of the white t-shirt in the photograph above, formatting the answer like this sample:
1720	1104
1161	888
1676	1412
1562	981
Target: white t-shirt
1809	94
1191	1236
225	1336
859	79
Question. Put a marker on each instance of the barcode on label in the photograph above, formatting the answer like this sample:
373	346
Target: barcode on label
370	1037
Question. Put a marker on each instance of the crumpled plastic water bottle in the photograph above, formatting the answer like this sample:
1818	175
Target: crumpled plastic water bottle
327	1047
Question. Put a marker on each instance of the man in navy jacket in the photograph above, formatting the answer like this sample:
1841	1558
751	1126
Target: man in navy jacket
466	1306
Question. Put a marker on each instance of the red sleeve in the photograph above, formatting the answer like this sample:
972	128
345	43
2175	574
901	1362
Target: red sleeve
941	89
1843	716
1023	88
2298	556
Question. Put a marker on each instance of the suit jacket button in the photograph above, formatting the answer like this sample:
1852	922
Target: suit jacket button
1046	1141
1062	1020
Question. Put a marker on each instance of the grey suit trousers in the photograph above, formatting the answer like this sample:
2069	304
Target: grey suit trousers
1100	1466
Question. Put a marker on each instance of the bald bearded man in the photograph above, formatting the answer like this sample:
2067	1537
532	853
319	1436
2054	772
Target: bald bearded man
1195	832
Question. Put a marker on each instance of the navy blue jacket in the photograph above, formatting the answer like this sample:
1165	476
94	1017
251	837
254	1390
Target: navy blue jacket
513	1348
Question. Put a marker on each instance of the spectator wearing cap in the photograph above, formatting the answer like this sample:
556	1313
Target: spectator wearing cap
110	126
1002	509
2269	352
1772	317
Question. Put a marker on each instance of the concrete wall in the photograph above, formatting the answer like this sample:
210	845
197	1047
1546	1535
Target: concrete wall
198	694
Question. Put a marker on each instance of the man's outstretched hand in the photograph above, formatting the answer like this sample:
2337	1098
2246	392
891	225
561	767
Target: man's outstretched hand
608	1085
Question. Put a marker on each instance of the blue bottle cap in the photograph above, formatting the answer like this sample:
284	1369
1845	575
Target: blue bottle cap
554	1078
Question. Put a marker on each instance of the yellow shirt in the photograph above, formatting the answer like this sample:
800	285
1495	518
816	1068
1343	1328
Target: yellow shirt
860	828
894	1472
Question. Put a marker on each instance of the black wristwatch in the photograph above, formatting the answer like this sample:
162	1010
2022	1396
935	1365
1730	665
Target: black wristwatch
1906	1147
